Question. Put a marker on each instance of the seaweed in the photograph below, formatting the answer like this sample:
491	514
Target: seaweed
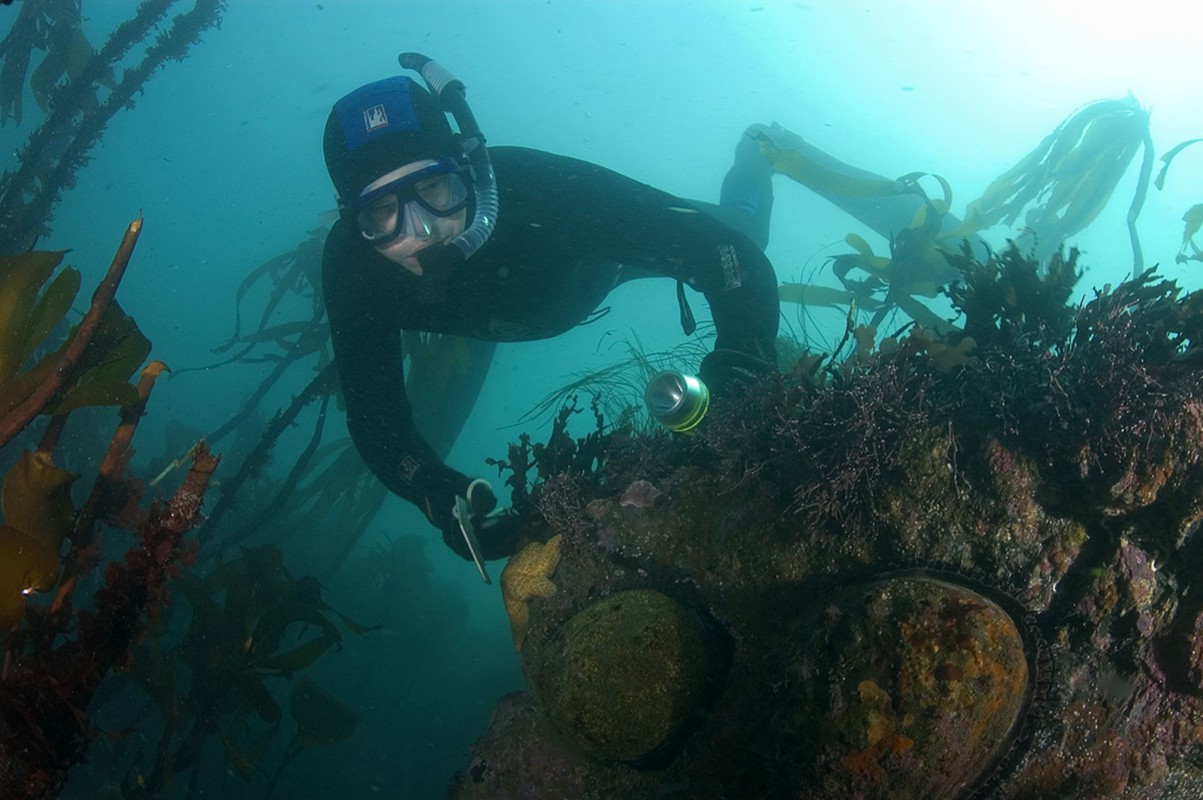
561	456
1050	468
1090	393
1054	192
1192	217
56	661
1010	296
76	115
91	368
251	622
57	655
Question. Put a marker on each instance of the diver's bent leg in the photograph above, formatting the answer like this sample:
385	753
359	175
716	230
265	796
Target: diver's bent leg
748	189
746	318
745	323
885	214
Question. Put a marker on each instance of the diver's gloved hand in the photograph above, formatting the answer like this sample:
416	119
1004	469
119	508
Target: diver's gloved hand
438	504
497	532
481	499
498	535
727	371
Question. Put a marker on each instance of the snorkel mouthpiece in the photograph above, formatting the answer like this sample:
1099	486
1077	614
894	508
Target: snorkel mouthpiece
676	400
450	93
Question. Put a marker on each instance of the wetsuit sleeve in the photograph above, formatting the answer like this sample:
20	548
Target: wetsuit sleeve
367	352
607	216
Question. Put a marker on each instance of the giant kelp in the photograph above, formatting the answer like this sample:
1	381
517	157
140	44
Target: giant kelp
934	576
1066	180
1051	194
57	654
79	92
251	621
91	366
1193	217
56	662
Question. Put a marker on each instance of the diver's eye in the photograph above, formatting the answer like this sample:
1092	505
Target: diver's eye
379	218
436	191
385	207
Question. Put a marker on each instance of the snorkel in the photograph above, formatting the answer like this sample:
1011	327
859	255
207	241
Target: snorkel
450	93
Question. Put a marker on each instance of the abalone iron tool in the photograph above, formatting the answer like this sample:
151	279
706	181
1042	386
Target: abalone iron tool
463	515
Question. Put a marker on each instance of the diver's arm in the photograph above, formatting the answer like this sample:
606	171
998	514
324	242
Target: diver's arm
675	239
603	214
367	350
741	291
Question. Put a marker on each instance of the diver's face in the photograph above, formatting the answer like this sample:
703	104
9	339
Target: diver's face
404	250
422	228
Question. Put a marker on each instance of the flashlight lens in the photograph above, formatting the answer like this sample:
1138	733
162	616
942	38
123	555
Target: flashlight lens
676	400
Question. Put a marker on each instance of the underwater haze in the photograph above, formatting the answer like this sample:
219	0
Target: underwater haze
221	156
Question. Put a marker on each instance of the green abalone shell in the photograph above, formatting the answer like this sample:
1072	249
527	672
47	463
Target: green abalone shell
622	677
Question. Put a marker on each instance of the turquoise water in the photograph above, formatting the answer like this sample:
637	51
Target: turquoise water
222	157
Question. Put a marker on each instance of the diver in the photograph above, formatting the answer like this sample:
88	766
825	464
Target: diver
437	233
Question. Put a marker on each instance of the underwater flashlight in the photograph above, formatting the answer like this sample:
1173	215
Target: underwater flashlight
677	401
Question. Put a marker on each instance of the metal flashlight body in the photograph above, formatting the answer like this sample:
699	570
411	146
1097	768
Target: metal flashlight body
676	400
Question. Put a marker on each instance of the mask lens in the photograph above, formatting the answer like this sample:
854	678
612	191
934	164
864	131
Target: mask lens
442	193
380	219
409	205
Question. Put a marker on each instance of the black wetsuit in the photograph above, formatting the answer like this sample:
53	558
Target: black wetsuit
567	233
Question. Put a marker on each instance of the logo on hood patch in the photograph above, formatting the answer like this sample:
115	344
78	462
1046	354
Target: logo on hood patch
375	118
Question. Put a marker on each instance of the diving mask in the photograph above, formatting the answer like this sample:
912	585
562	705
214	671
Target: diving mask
411	204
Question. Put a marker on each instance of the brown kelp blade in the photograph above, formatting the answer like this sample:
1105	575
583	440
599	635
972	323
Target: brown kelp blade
321	717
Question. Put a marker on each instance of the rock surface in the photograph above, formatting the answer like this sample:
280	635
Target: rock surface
910	581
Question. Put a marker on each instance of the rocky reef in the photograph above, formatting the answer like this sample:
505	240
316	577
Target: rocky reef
948	566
